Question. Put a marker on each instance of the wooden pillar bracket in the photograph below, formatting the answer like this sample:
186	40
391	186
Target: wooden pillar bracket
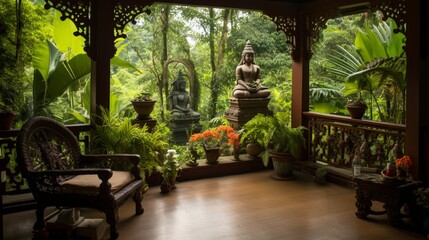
126	11
288	25
317	23
395	9
77	11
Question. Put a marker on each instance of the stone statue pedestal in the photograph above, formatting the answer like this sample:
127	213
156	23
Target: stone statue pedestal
182	129
241	110
149	122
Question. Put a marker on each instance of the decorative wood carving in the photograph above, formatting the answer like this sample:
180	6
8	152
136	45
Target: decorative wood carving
126	11
335	140
78	11
316	23
288	25
15	183
395	9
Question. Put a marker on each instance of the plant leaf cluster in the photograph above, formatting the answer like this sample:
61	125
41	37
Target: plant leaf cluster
122	136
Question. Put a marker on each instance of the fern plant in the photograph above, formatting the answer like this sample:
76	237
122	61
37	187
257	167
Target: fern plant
115	135
274	133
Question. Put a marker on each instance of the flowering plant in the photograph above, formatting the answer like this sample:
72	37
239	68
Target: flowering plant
233	139
209	138
215	137
404	162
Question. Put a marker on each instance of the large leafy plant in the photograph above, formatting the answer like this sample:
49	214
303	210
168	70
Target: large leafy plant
274	133
375	67
62	65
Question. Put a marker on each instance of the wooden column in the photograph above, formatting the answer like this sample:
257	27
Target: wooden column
101	50
419	49
414	78
300	74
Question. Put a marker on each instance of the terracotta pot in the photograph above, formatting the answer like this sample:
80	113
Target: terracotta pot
143	108
212	155
356	111
284	164
253	149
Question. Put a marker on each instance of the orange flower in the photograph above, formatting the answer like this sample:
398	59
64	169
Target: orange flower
404	162
224	128
233	139
216	137
196	137
210	134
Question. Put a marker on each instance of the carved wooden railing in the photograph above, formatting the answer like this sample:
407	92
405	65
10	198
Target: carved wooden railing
334	140
11	181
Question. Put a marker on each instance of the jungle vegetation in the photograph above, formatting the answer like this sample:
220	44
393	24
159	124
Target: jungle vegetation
44	70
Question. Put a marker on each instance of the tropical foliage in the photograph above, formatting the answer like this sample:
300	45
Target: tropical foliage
115	135
205	44
373	69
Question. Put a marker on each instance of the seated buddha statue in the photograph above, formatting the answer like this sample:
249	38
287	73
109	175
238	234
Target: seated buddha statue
180	101
247	75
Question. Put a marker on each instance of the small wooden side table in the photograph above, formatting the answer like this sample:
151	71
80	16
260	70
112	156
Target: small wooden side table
394	194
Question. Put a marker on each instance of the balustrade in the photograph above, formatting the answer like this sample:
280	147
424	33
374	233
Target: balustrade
335	140
332	139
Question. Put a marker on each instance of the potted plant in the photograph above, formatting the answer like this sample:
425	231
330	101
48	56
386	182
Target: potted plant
280	142
143	104
7	116
211	141
170	169
252	135
119	135
356	108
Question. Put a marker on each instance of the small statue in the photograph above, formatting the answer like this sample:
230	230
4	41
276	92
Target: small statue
247	77
179	100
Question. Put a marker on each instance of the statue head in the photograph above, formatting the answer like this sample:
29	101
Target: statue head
180	80
248	50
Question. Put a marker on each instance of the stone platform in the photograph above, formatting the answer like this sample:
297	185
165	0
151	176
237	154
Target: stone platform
244	109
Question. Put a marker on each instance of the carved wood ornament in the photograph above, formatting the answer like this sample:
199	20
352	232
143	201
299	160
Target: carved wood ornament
316	22
79	12
288	25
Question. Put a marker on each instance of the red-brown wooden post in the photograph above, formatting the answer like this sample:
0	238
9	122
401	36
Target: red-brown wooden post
101	50
416	59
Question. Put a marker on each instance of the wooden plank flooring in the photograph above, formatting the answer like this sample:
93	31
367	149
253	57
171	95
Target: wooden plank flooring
249	206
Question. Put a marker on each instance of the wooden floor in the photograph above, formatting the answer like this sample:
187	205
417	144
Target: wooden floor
249	206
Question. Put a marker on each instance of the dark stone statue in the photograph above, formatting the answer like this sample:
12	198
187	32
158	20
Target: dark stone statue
247	75
184	120
180	101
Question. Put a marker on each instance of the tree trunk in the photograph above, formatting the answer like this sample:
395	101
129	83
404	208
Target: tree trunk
213	83
164	81
222	42
217	66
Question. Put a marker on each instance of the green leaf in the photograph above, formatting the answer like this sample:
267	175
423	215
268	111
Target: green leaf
45	58
122	63
67	73
78	116
64	37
